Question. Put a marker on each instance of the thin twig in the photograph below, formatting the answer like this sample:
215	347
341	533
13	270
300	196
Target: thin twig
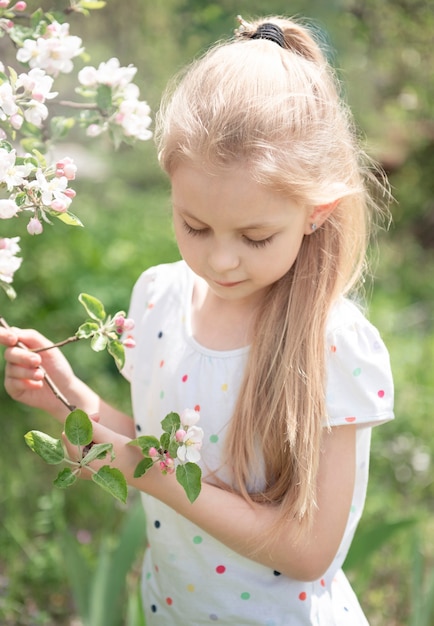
79	105
59	395
56	345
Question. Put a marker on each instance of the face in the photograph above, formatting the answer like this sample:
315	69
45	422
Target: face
236	234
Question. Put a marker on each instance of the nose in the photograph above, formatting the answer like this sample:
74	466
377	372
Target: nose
222	257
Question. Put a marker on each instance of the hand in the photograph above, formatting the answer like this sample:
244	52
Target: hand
24	371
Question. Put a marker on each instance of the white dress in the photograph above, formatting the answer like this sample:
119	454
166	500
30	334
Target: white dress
189	578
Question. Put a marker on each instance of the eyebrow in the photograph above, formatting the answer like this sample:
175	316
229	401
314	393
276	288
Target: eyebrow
254	226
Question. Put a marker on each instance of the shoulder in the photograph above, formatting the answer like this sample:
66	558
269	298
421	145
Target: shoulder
162	276
359	377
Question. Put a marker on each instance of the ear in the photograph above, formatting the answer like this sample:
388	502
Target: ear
318	216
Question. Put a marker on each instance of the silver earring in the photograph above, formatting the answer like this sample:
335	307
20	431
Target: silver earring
313	227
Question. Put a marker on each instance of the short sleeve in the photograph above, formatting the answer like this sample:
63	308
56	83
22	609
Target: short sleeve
359	378
139	302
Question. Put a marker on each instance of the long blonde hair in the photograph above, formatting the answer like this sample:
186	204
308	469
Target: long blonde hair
279	111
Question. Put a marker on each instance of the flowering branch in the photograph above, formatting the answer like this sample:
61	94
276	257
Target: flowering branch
110	104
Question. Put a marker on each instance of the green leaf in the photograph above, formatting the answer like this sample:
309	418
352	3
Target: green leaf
65	478
370	538
60	126
9	290
93	306
48	448
117	351
87	330
98	451
98	342
78	428
113	481
104	97
165	441
172	422
189	476
68	218
91	4
145	442
143	466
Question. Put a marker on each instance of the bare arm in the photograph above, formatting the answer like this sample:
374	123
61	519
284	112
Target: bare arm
24	381
243	527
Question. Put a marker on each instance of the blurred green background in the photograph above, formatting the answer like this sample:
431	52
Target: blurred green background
384	56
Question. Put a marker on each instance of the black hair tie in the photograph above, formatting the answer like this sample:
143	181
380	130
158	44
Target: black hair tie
271	32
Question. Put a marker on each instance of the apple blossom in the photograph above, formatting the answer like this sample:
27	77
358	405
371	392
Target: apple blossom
37	84
51	190
192	443
109	73
8	209
53	52
9	262
10	174
134	118
8	106
189	417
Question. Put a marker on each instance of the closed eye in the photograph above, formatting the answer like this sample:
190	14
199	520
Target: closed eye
193	231
258	243
253	243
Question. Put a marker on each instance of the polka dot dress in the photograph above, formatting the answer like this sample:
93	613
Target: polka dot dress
188	576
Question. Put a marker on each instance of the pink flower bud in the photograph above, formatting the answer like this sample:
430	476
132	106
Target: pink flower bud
69	193
34	227
129	342
119	321
67	168
153	452
128	324
16	121
93	130
59	206
162	465
180	434
4	4
20	6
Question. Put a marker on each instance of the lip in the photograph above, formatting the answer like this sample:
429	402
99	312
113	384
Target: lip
224	284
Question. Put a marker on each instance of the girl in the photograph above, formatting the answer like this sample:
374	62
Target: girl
253	328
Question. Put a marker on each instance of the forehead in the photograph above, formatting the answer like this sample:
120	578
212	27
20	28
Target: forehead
233	192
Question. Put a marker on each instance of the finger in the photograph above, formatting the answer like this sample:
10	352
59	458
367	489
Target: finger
18	372
22	357
8	337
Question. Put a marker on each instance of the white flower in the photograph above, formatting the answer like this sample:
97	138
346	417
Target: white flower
10	174
134	118
52	190
109	73
8	209
35	112
37	84
53	52
189	417
8	105
188	452
9	262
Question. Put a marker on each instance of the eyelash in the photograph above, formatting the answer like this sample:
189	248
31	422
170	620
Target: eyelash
196	232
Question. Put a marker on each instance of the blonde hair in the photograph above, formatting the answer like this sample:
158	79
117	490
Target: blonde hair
279	111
